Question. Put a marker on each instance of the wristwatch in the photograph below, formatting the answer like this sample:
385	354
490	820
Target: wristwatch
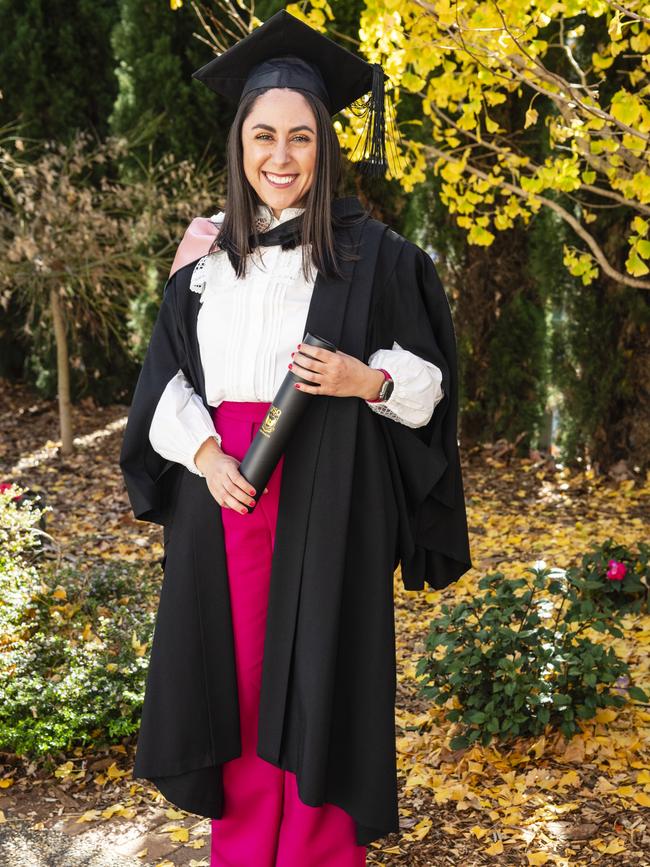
386	389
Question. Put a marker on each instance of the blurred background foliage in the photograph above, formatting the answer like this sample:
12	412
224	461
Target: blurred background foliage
553	344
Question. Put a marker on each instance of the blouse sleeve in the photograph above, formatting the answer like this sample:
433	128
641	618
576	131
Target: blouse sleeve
417	389
181	424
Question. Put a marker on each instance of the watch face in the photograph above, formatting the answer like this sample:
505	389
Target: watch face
387	389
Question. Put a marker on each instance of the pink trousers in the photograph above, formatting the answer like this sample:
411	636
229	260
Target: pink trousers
264	824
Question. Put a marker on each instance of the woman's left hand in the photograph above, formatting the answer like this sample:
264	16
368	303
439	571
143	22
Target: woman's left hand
335	373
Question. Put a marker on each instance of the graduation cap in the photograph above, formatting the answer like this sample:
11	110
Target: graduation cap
286	52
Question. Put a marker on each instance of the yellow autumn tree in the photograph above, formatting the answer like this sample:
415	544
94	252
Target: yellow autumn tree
580	66
586	109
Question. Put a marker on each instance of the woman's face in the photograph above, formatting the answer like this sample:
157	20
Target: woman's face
279	146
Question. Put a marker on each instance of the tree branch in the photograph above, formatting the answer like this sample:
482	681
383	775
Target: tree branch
568	218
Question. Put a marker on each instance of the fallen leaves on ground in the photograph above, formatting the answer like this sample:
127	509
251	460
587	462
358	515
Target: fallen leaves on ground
537	802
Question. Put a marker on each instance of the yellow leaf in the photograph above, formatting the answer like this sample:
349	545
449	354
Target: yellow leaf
531	117
422	828
642	798
88	816
601	62
199	843
109	812
615	846
635	265
180	835
626	107
140	649
480	236
4	784
494	97
537	858
614	29
412	83
64	770
114	773
478	832
495	848
606	715
452	171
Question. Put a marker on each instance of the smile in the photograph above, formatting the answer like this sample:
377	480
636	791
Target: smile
279	180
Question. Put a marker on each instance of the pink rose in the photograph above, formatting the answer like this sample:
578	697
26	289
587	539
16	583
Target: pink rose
616	571
7	486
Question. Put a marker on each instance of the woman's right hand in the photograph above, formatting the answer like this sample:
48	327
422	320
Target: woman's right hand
226	484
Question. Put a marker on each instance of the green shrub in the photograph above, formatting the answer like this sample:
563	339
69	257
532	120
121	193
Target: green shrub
516	658
21	522
73	646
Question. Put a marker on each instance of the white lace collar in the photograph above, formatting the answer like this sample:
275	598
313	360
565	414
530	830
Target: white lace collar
267	221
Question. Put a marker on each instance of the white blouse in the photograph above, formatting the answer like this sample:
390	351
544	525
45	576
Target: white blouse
247	329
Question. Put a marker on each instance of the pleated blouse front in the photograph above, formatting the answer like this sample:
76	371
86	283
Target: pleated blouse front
247	329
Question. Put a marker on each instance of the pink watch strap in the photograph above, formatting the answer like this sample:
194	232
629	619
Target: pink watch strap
386	376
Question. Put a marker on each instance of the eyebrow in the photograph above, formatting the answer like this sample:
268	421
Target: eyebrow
273	129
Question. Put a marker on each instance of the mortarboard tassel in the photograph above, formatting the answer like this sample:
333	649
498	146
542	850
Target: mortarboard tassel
372	161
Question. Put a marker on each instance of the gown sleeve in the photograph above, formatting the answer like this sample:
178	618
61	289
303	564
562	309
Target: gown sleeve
417	389
181	423
434	538
147	474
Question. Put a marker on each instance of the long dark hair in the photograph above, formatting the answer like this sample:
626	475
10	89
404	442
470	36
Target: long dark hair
318	222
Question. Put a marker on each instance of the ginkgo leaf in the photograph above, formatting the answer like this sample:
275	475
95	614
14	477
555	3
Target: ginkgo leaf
531	117
495	849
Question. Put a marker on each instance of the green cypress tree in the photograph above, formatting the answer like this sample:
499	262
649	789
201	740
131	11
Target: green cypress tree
56	66
156	53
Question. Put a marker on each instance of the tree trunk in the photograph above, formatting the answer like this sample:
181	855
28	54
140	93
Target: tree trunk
500	312
62	372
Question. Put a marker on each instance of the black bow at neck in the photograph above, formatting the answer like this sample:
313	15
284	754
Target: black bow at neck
289	233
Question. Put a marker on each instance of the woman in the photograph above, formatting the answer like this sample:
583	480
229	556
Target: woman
270	695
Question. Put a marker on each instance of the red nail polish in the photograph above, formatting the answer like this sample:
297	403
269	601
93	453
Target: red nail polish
243	511
295	385
290	367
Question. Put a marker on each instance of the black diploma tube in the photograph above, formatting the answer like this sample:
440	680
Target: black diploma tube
283	415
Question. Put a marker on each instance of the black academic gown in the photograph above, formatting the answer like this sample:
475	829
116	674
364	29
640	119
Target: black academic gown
360	494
